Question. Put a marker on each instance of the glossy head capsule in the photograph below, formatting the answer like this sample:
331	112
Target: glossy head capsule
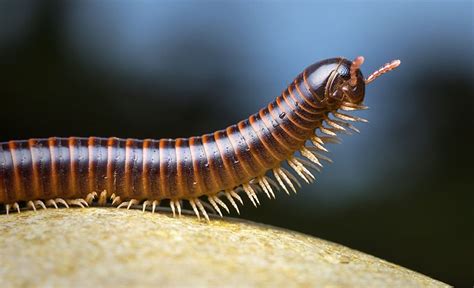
337	80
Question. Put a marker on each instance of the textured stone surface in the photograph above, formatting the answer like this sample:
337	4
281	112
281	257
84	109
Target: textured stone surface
110	247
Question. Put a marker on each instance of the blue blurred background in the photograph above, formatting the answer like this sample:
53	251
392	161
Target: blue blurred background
402	190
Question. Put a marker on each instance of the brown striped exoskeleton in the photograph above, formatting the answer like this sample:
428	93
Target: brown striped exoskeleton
243	157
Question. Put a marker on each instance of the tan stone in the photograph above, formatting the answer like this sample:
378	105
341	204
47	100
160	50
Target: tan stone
113	248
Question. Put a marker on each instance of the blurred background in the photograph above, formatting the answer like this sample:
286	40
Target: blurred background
402	190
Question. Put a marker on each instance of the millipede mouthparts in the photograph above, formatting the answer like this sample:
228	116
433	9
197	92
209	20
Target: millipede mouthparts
203	170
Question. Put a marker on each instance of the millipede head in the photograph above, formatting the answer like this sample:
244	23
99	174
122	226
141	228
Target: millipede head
337	80
354	88
354	91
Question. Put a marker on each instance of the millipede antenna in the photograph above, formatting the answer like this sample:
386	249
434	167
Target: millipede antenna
382	70
358	61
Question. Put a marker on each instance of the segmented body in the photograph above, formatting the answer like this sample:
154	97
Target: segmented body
131	171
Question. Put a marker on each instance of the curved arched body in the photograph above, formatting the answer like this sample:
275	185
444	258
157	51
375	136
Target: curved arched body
187	168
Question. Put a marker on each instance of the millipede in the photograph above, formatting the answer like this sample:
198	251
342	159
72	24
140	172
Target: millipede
203	171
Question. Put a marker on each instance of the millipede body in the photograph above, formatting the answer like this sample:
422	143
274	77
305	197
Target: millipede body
81	171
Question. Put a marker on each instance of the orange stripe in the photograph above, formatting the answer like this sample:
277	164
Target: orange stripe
128	167
253	123
155	170
196	169
236	151
275	145
273	130
229	168
7	163
289	114
180	186
110	165
261	162
308	110
91	177
17	184
308	87
319	109
163	181
145	169
72	170
297	110
54	169
310	103
211	161
273	113
37	187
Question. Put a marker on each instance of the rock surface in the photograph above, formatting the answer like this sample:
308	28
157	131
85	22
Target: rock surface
116	248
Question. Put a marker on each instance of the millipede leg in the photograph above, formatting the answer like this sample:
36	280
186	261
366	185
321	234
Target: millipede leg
318	143
31	205
334	124
251	194
123	204
286	175
103	198
13	206
267	184
304	169
346	117
264	187
51	202
348	106
327	131
221	203
272	183
78	202
61	201
236	196
132	202
145	203
214	204
301	170
128	204
209	207
290	177
323	157
40	203
172	208
116	199
276	174
308	154
90	197
16	207
153	205
178	207
201	208
193	205
298	170
231	200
